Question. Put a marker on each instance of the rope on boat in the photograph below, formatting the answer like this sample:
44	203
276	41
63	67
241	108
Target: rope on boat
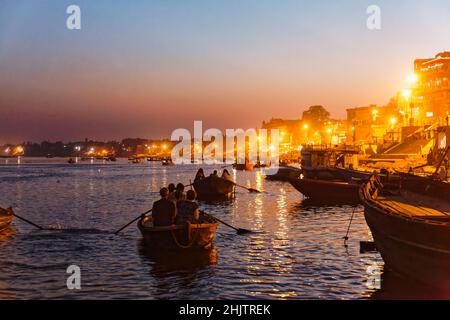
194	238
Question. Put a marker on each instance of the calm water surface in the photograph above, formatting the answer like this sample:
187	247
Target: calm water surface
298	252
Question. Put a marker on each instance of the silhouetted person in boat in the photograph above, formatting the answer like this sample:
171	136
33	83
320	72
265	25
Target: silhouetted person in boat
179	192
226	175
164	210
188	210
200	175
172	193
214	174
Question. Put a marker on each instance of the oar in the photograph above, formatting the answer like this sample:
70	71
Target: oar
28	221
134	220
249	189
239	230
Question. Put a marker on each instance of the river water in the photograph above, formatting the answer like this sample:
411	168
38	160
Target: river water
297	252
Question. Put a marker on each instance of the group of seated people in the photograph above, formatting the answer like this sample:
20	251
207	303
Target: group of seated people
225	175
176	207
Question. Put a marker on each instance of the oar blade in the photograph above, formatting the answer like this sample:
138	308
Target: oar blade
244	231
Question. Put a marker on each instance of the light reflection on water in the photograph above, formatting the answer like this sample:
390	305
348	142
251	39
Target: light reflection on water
297	253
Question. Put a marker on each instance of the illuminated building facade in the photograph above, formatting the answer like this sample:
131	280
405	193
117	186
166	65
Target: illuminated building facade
430	99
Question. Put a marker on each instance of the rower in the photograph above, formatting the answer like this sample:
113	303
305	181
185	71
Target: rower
188	210
164	210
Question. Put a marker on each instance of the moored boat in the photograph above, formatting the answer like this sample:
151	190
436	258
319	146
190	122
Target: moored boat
178	237
247	166
411	227
284	173
326	190
214	188
6	217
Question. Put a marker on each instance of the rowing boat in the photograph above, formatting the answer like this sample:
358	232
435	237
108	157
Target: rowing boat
411	227
6	217
178	237
214	188
326	190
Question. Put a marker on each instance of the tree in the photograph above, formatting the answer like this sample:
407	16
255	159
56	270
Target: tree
316	116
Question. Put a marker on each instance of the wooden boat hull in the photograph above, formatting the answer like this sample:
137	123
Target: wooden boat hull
419	251
185	237
415	246
214	188
322	190
6	217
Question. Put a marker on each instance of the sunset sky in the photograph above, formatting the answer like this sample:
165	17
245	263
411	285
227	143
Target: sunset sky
145	68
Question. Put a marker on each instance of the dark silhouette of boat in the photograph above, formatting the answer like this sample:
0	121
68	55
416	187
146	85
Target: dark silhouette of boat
247	166
214	188
320	190
178	237
411	226
284	173
6	217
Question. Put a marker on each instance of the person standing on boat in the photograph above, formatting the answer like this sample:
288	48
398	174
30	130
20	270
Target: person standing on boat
188	210
164	210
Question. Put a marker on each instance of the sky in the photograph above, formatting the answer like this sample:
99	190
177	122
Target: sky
142	68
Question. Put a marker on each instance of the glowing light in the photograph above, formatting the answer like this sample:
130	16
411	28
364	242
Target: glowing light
412	78
329	131
316	133
19	149
374	112
406	93
305	126
393	121
272	148
164	146
283	133
430	114
353	128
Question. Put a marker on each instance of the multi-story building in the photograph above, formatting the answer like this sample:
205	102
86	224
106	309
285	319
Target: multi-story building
428	101
372	124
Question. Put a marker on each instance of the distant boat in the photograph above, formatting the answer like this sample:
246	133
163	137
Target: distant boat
6	217
244	167
71	161
214	188
411	227
136	161
168	163
178	237
112	158
326	190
